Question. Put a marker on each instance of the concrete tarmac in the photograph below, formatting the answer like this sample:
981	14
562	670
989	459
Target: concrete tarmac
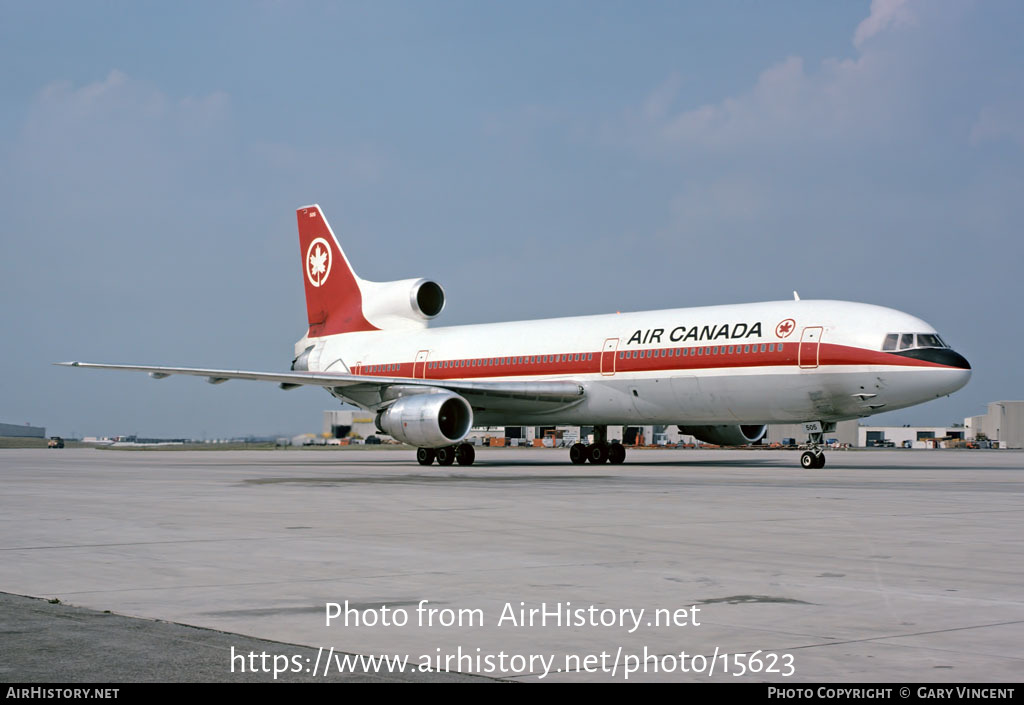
888	565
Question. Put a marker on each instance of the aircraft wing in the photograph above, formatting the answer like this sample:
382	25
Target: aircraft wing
372	391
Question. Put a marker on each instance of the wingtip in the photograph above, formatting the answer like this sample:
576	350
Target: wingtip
67	364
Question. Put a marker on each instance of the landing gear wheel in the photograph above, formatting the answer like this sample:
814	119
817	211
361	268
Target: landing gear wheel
465	454
578	454
425	456
616	454
445	455
812	461
597	453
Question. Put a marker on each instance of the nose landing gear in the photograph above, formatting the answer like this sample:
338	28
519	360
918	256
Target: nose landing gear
812	460
814	457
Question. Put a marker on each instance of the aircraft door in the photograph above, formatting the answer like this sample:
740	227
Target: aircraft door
810	344
419	367
611	346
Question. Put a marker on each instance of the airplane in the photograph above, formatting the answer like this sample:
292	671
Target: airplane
720	373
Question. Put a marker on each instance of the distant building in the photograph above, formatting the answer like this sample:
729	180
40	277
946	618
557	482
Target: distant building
10	430
340	423
908	436
1004	422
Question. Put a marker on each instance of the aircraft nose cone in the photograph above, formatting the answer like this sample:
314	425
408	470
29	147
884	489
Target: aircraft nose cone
958	360
959	376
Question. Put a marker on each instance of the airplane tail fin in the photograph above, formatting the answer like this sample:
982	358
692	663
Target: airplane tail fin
334	297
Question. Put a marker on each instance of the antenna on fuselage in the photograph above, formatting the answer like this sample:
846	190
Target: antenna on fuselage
796	296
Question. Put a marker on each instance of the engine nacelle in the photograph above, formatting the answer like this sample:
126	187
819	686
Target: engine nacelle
429	420
726	435
407	303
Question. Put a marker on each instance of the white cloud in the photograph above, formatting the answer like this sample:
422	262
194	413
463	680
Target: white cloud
121	138
848	99
872	96
884	14
122	99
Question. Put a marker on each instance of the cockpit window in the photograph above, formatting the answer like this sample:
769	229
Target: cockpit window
927	340
906	341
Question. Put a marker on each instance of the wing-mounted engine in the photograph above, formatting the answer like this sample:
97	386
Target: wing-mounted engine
430	420
726	435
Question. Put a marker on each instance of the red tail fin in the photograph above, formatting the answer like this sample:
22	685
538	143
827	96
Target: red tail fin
334	301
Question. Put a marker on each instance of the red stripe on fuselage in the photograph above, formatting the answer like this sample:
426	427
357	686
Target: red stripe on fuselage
645	360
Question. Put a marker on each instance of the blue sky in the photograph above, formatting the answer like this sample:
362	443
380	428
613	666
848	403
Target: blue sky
538	159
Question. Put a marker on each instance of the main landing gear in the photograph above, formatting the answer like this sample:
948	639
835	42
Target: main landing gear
814	457
600	451
463	454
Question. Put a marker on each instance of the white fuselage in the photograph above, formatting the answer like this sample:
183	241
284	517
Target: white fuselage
771	362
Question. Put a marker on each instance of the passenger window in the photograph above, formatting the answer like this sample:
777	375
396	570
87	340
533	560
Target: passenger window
730	350
746	348
906	341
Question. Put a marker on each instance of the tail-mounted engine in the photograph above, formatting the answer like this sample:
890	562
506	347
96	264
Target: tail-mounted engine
407	303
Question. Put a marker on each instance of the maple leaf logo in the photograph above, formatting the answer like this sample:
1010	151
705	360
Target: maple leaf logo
318	262
785	328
